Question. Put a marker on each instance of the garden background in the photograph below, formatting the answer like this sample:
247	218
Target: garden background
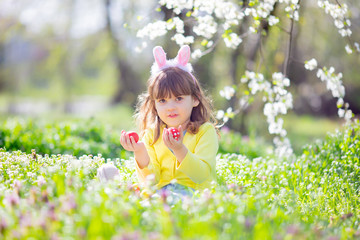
70	73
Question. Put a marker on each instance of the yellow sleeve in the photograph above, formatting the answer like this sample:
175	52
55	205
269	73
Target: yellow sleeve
154	166
200	165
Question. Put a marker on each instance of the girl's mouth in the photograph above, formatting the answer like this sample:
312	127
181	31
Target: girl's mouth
173	115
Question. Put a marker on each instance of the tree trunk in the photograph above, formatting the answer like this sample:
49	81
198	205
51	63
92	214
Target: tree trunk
129	84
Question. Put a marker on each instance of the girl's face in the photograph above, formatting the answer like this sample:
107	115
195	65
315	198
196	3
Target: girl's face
175	111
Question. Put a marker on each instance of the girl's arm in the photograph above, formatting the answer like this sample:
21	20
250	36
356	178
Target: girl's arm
144	153
142	157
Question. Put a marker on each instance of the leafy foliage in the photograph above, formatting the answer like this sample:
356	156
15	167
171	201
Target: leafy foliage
76	138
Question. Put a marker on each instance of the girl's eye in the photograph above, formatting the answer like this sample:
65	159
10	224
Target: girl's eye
161	100
179	98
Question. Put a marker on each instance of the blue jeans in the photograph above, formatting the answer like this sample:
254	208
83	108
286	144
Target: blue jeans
179	189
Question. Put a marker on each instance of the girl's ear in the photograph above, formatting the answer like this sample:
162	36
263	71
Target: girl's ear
160	56
183	56
196	102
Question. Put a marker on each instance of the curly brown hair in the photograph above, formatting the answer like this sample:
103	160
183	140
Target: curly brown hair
172	81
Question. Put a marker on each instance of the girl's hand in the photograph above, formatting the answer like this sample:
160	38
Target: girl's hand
170	141
129	144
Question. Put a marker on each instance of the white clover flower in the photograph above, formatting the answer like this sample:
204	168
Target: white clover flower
228	92
40	180
311	64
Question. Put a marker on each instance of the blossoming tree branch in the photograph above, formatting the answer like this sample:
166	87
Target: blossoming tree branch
211	21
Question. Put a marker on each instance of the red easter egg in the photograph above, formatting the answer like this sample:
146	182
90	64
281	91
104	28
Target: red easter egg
175	132
134	135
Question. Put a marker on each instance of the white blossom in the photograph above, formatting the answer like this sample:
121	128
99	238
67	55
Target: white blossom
177	5
340	102
196	54
311	64
220	114
153	30
227	92
273	20
338	13
348	49
333	81
232	40
348	115
182	40
206	26
357	46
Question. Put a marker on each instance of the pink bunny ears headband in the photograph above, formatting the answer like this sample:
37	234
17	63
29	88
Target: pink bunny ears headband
180	61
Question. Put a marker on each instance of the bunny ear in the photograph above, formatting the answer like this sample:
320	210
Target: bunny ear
160	56
183	56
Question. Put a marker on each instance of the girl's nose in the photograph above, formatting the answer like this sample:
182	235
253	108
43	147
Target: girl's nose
170	106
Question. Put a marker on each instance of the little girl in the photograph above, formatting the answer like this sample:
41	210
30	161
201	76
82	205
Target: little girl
174	99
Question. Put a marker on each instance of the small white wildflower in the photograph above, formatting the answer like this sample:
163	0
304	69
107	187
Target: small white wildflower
40	180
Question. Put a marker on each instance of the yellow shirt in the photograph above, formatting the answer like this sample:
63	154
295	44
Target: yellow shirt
197	170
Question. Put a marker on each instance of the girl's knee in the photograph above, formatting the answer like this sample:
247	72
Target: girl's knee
107	172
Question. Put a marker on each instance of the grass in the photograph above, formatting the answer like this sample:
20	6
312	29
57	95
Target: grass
313	196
